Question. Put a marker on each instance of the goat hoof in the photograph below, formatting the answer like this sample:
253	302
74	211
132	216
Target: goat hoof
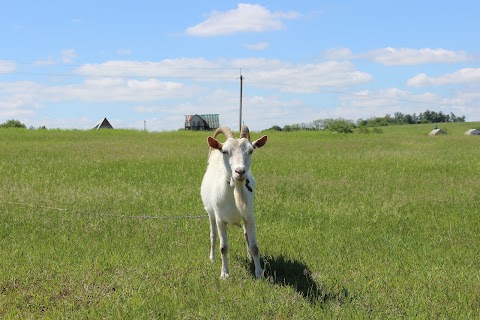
224	276
259	274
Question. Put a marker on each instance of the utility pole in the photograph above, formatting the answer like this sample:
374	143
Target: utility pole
241	93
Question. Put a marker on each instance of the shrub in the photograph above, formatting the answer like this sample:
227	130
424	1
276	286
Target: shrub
363	129
339	125
13	124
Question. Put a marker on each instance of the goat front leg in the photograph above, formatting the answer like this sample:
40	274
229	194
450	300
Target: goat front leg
213	235
222	232
249	255
251	237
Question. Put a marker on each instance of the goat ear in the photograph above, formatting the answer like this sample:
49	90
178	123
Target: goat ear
260	142
214	143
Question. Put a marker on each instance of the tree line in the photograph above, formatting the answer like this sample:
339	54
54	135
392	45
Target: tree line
347	126
400	118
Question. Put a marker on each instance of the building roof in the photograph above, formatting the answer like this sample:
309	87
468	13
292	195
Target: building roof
472	132
202	122
436	132
103	124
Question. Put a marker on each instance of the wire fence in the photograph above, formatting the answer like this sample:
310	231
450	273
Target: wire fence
107	214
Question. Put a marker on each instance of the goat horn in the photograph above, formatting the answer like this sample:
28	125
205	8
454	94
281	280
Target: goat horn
245	133
225	131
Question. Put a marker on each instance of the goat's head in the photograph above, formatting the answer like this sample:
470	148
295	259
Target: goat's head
237	154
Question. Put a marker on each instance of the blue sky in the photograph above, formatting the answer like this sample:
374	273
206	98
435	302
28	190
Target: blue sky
67	64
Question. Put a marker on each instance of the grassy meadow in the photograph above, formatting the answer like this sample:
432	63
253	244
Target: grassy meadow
109	224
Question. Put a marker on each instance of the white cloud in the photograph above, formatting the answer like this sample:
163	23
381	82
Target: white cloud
19	98
245	18
124	52
174	68
185	85
407	56
281	92
304	78
154	85
148	109
338	54
120	90
30	95
401	56
257	46
104	82
260	72
7	66
68	56
462	76
45	62
371	103
393	97
225	103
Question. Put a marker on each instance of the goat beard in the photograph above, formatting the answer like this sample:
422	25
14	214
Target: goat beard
242	201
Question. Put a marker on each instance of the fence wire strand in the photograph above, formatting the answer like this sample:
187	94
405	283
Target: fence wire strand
103	214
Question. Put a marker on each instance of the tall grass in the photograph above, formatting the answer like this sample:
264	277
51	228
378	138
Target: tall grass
349	226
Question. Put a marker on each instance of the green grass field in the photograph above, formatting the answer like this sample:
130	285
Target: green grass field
104	224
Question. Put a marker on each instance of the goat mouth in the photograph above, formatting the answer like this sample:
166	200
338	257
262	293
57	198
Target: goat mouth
239	178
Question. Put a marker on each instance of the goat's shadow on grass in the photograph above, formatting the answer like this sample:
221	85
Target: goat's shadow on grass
287	272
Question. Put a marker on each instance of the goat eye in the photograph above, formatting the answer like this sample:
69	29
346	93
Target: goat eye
225	152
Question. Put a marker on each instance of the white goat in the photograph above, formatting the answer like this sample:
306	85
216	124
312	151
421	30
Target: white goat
227	192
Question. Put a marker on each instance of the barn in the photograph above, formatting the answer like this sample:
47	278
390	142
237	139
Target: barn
202	122
473	132
103	124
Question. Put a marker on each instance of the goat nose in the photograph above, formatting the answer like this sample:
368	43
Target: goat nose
240	170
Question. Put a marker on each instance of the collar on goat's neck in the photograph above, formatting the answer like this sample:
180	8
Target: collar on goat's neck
247	184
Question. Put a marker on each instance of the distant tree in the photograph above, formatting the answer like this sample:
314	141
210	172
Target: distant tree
13	124
426	117
398	118
275	128
295	127
377	122
338	125
453	117
408	119
440	117
415	118
308	126
388	118
362	122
